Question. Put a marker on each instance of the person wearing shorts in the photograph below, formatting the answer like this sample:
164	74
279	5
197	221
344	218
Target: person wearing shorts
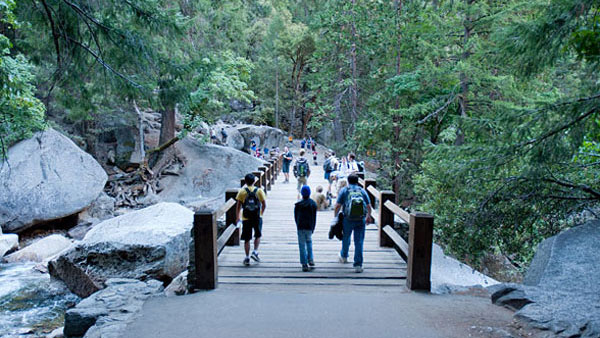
250	226
301	177
287	160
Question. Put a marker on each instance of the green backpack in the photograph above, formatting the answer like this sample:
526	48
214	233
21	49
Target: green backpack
356	207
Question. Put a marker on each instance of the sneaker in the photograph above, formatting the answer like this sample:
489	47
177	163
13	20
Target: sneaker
305	268
246	261
358	269
342	260
254	256
311	263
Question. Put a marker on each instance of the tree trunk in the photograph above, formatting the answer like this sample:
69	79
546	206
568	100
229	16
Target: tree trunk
397	119
464	80
276	92
167	126
354	90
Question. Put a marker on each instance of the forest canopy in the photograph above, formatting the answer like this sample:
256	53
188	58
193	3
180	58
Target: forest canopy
483	113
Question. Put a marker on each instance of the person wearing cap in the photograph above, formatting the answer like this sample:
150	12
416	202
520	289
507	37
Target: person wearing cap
253	202
305	214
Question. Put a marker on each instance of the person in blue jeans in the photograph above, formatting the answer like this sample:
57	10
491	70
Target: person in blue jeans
305	214
356	206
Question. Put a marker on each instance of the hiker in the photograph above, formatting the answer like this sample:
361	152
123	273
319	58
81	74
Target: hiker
305	214
323	202
253	148
357	211
301	171
303	143
350	166
252	201
287	160
223	136
330	165
213	136
314	151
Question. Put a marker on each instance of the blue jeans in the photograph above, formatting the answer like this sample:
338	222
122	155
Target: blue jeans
359	238
305	245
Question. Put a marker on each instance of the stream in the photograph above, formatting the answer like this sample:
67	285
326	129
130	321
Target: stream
31	304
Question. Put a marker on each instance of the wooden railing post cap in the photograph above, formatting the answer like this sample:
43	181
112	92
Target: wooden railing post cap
418	214
232	191
387	192
203	212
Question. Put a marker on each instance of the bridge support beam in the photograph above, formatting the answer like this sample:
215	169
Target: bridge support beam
420	241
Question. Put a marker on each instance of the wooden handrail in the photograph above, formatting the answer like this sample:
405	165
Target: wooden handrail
399	243
405	216
224	238
225	207
376	193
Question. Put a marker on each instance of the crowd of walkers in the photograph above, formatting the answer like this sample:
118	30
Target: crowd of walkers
351	209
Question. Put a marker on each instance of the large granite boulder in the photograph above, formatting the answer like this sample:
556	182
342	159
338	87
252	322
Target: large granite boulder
235	139
147	243
41	250
208	171
44	178
264	136
106	313
8	242
561	291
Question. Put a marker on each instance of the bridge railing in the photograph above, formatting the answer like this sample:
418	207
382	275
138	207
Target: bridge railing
417	252
205	247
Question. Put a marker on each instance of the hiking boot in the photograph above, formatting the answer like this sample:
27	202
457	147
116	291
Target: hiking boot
311	263
246	261
342	260
358	269
254	256
305	268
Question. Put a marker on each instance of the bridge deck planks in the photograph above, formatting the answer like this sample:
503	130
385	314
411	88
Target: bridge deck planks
279	250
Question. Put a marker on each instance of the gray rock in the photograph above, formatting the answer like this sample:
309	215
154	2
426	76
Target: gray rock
178	286
264	136
78	232
561	291
209	170
147	243
41	250
46	177
58	333
102	208
449	275
235	139
106	313
8	243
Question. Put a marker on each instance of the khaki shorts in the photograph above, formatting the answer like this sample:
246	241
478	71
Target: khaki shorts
301	182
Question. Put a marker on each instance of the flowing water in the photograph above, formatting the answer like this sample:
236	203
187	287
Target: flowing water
31	304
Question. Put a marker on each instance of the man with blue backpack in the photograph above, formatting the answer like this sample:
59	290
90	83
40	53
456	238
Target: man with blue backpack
356	207
252	201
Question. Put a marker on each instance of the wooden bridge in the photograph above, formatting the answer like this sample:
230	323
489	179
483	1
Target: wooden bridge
219	260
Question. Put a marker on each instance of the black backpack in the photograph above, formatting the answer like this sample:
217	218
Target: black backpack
251	205
361	166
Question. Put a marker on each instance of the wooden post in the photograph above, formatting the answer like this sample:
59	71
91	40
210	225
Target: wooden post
230	217
268	175
420	241
263	178
371	183
386	217
273	169
205	250
258	175
361	175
